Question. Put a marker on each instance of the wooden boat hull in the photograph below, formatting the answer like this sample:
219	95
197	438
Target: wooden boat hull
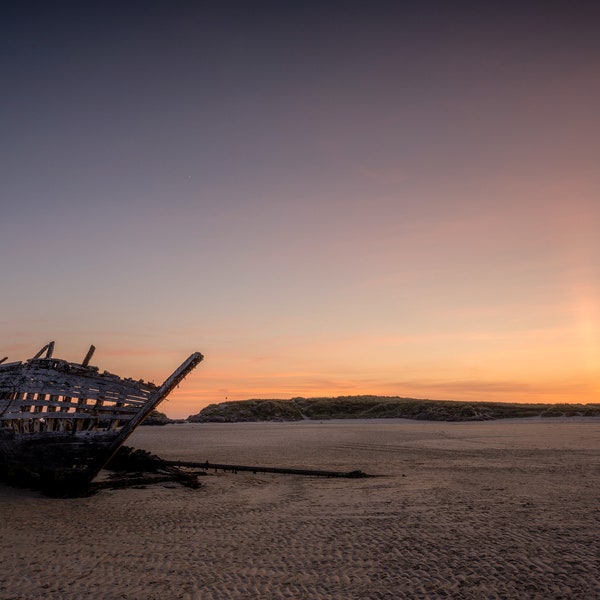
57	464
61	422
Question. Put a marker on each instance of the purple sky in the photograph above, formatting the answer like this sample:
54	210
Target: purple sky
322	197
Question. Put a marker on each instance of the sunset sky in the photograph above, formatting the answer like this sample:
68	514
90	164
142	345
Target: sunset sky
324	198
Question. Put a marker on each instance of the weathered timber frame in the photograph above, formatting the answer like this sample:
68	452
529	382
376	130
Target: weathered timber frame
60	422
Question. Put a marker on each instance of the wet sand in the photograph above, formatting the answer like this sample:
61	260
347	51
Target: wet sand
504	509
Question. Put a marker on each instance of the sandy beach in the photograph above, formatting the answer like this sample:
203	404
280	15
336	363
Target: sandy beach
504	509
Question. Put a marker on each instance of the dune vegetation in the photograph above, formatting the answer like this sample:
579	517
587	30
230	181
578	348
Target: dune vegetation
377	407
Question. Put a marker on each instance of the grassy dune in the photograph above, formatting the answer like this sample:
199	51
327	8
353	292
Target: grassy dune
376	407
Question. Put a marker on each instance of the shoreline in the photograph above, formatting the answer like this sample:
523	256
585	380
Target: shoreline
339	421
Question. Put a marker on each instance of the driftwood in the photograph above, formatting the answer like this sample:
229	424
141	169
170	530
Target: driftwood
135	468
205	466
129	459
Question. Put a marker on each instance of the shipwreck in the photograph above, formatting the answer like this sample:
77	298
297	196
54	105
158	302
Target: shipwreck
61	422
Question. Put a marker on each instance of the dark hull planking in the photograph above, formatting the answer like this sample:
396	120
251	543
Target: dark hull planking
56	464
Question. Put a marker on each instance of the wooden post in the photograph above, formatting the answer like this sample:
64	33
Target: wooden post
88	356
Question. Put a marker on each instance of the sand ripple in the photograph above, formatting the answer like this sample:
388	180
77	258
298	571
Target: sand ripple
501	522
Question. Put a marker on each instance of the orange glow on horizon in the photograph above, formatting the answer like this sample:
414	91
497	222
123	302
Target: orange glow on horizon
202	390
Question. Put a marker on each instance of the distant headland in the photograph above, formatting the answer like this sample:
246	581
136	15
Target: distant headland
382	407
